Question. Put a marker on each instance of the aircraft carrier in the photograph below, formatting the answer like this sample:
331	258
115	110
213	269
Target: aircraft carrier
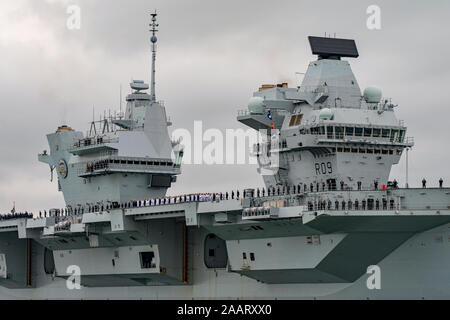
327	225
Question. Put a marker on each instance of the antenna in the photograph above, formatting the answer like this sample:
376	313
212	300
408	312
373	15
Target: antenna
406	178
153	40
120	97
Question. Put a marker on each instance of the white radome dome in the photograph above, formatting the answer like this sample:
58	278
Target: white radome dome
326	114
256	105
373	95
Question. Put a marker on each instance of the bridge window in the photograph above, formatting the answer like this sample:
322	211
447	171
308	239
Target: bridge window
377	151
391	151
349	131
370	151
292	121
394	135
376	132
367	132
384	151
295	120
358	132
330	132
385	133
321	130
346	149
339	132
339	149
402	136
354	150
362	150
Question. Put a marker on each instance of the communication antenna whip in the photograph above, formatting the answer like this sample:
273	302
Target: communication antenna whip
120	97
153	40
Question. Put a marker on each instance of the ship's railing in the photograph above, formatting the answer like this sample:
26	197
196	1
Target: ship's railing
243	112
313	89
409	140
365	205
378	200
279	197
268	147
127	164
92	141
63	223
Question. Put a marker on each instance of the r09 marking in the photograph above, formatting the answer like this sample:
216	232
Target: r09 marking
323	168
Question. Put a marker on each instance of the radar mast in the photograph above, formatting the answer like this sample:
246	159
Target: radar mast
153	40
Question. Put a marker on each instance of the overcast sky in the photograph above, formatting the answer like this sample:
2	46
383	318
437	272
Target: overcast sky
212	55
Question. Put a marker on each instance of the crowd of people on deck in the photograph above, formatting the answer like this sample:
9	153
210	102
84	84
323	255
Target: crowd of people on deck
16	215
65	216
364	204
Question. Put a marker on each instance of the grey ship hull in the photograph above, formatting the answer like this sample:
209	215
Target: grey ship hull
418	269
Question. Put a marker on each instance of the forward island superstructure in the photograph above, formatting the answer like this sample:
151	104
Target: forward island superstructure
326	215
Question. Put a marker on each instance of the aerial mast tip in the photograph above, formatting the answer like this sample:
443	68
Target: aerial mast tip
153	40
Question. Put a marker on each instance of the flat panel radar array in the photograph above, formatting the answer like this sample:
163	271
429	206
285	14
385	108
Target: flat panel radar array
333	48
